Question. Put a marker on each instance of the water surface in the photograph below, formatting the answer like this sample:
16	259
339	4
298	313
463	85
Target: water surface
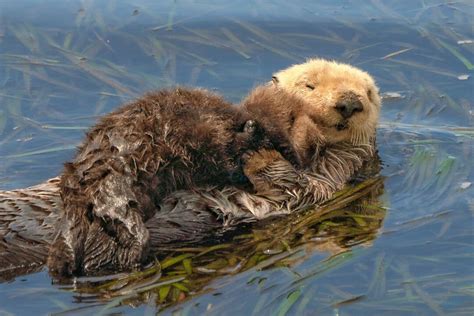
63	64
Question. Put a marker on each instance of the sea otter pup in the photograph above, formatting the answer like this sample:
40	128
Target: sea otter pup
133	158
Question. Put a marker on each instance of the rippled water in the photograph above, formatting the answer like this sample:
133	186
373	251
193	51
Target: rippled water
63	64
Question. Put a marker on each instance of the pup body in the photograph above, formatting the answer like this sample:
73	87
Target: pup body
133	158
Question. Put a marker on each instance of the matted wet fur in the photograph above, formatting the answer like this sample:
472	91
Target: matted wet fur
134	157
29	217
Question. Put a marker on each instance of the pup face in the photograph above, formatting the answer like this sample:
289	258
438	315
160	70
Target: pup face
341	100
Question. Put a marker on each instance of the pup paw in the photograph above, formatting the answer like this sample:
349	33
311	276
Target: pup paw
250	127
61	260
255	161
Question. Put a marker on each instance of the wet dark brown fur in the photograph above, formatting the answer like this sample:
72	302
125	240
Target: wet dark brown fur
133	158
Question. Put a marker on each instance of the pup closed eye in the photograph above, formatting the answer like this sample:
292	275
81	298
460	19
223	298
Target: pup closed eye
310	86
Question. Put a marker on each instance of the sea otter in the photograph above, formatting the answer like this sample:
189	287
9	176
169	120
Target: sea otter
133	158
325	103
280	188
329	111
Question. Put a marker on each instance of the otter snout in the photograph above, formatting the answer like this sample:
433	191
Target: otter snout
348	104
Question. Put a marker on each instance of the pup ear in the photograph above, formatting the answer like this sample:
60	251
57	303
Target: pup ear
275	80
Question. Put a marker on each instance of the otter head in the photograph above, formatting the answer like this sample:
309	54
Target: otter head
342	100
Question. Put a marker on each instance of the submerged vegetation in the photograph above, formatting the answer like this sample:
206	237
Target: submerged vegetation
401	242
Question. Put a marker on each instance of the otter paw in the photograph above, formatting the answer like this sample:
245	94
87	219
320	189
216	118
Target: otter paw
250	127
247	156
61	260
254	162
112	246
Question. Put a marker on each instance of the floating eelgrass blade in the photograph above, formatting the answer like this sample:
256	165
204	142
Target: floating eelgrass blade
457	54
68	40
237	44
26	36
80	60
42	151
425	297
288	302
255	30
377	286
187	265
397	53
3	121
273	259
163	292
435	70
277	51
261	303
422	158
445	174
349	300
43	76
172	261
59	303
64	127
213	248
308	296
326	265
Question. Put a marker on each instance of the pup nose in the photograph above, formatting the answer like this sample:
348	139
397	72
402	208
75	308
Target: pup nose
348	105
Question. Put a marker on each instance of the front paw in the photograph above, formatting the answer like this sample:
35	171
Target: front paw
255	161
115	246
250	127
61	260
258	168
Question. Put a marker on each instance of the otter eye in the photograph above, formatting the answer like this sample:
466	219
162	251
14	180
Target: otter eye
309	86
369	94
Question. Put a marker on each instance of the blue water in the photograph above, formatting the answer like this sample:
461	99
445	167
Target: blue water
64	63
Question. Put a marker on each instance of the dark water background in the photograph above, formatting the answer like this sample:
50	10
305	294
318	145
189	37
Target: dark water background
64	63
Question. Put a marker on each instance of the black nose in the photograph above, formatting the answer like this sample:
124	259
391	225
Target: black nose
348	105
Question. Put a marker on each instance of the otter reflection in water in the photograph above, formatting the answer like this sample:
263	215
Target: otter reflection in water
353	218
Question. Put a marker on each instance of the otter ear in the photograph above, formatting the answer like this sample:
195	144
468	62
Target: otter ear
275	80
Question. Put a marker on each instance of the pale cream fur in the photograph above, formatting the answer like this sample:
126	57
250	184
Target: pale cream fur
331	80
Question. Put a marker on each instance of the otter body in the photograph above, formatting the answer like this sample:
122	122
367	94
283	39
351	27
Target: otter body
133	158
344	142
